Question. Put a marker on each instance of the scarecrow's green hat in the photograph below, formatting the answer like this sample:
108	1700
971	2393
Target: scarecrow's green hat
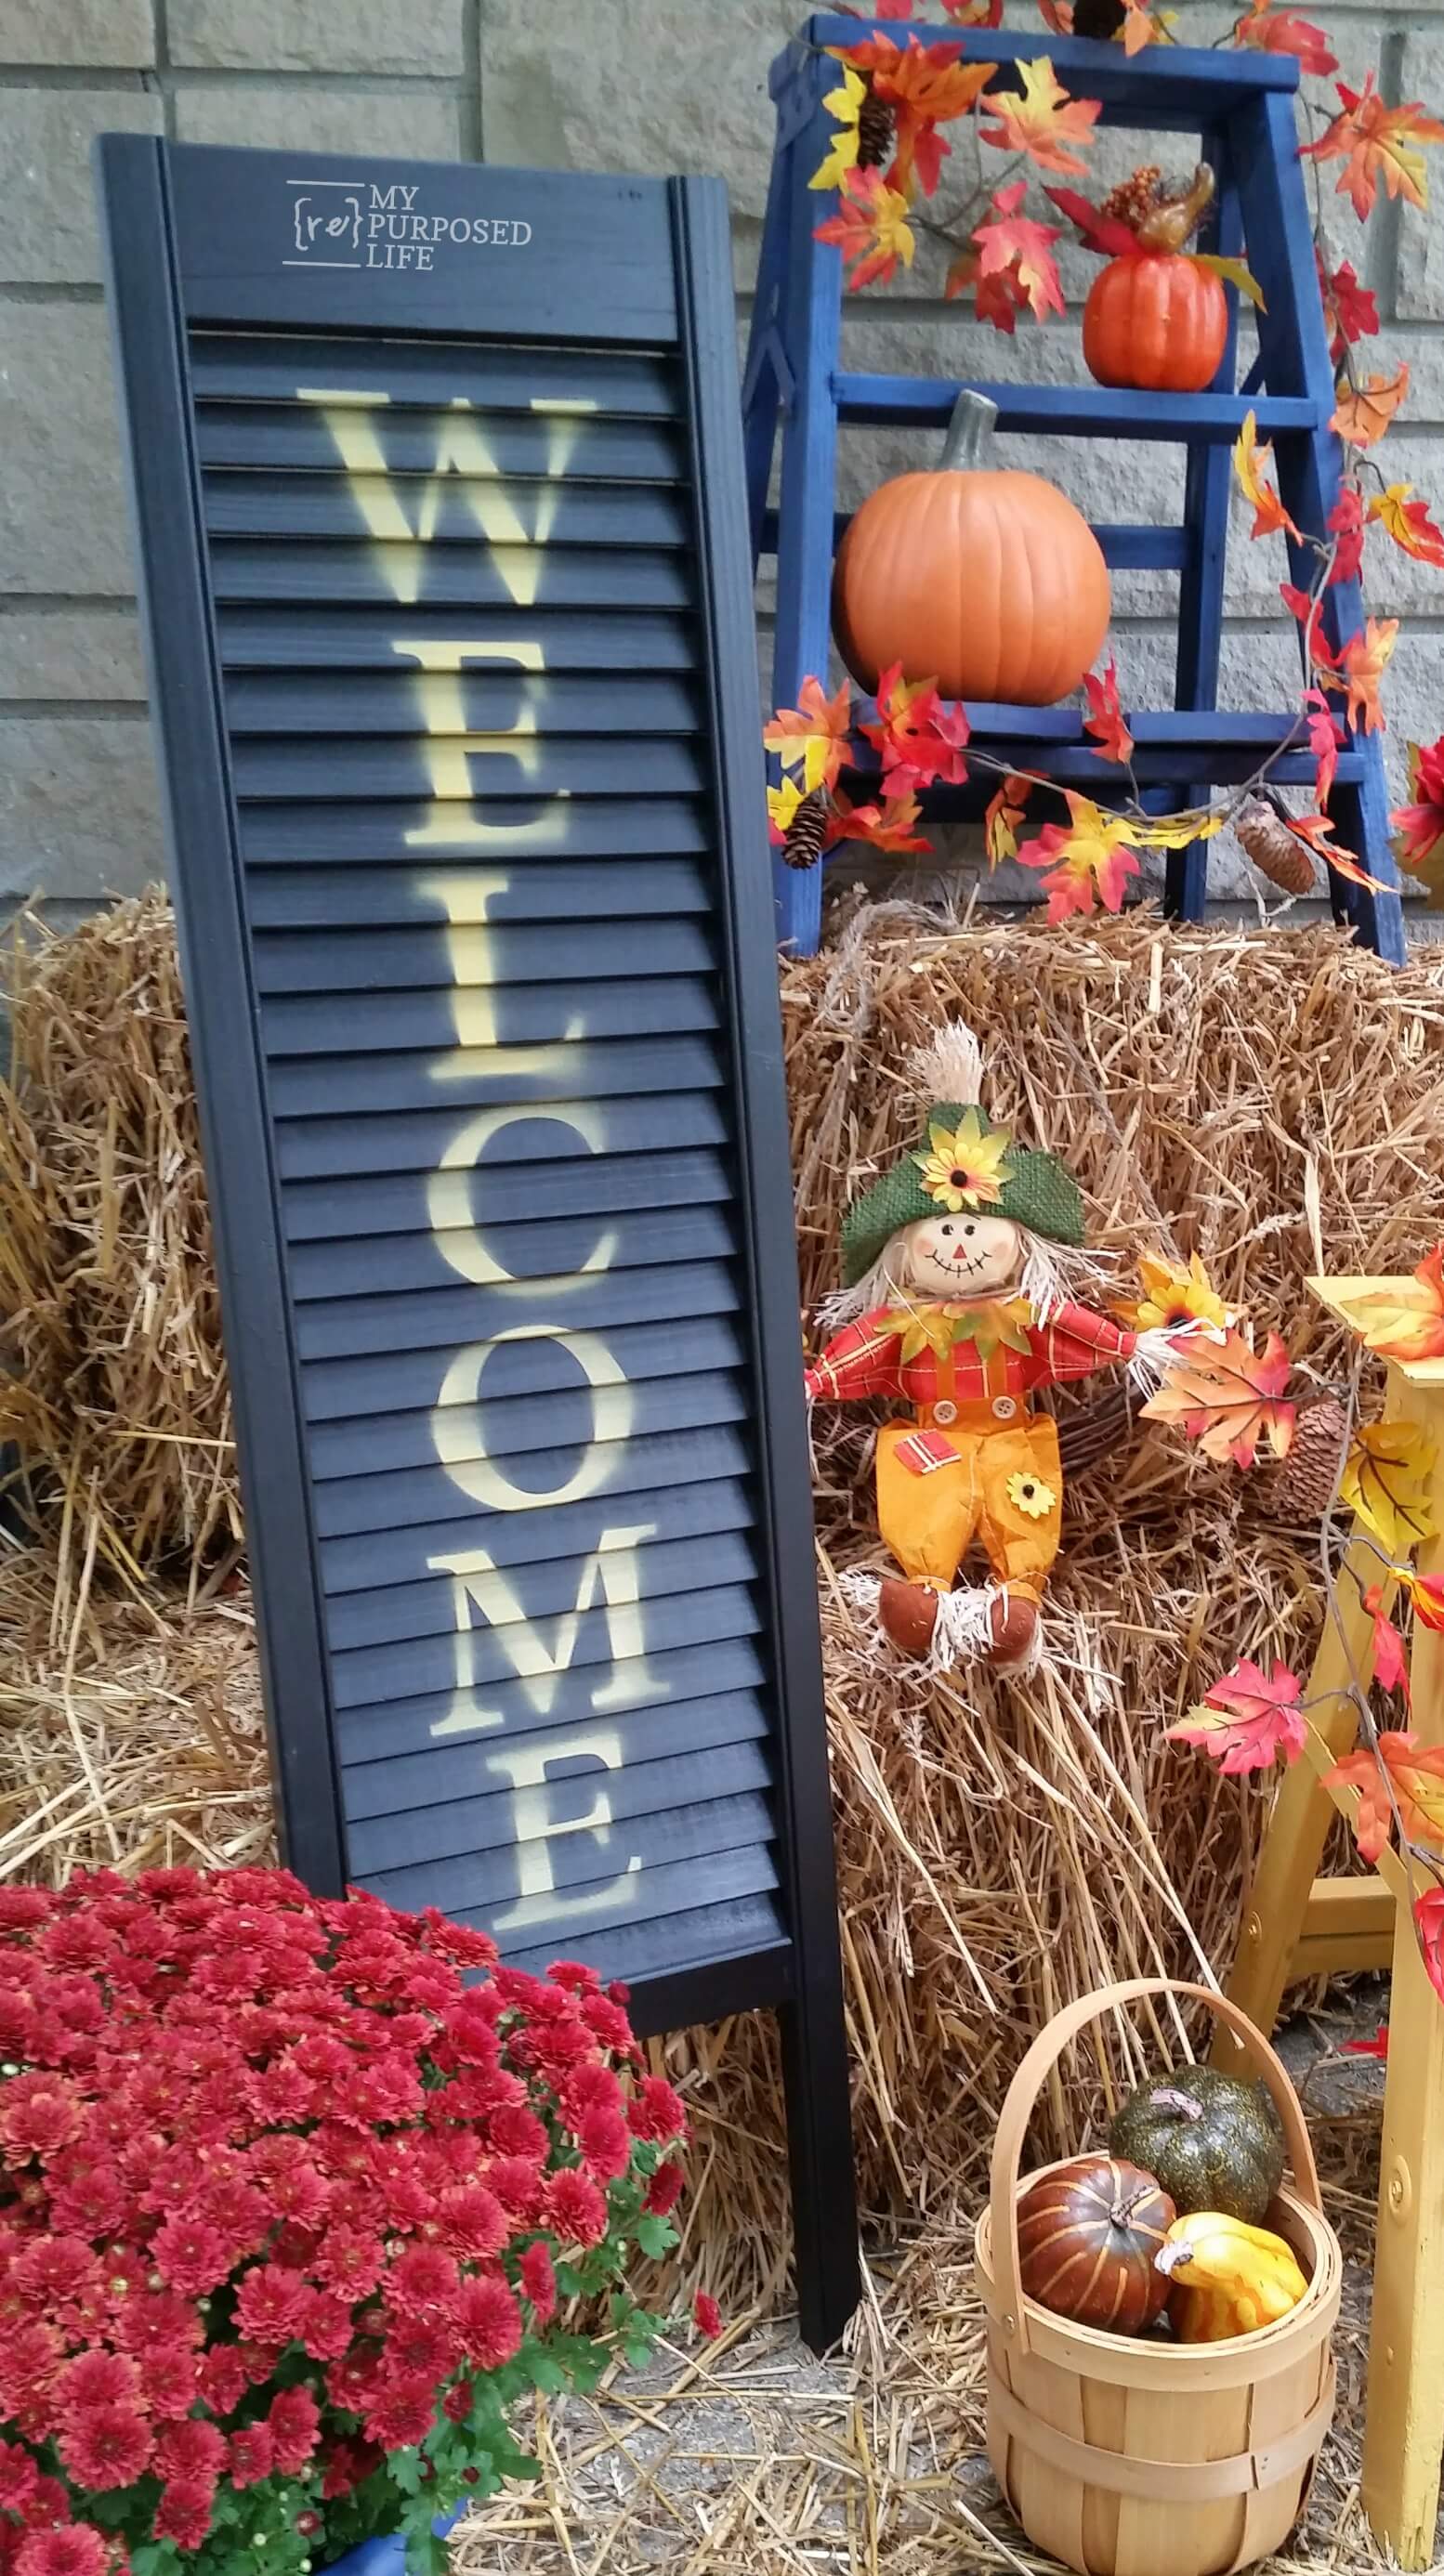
1032	1188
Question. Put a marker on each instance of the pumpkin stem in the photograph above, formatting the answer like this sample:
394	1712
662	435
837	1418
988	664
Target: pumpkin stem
970	433
1187	2105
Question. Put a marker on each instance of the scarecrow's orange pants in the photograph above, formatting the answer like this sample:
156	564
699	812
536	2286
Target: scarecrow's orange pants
1004	1486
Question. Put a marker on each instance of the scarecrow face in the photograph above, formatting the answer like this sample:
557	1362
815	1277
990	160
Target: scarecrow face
968	1255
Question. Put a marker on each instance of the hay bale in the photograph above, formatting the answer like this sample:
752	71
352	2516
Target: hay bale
1268	1098
113	1384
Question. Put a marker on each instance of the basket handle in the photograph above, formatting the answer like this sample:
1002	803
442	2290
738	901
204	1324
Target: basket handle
1027	2084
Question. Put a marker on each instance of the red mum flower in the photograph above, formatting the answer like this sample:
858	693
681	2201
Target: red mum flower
325	2329
517	2182
592	2088
168	2384
349	2259
297	2190
184	2515
421	2280
457	2404
294	2424
57	2271
74	2552
223	2378
422	2348
250	2455
271	2302
458	1942
656	2111
607	2022
192	2255
488	2321
344	2465
19	2479
106	2446
575	2208
21	1908
192	2454
515	2132
539	2282
30	2356
605	2142
157	2318
664	2190
39	2114
471	2222
402	2415
98	2379
706	2315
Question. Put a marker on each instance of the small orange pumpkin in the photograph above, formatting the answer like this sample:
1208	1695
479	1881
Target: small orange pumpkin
1088	2238
1155	319
990	582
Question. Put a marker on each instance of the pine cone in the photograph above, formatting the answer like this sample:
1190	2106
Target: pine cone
807	831
1275	851
1302	1485
876	129
1134	198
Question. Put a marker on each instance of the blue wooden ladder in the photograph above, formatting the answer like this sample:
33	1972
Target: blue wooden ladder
1240	106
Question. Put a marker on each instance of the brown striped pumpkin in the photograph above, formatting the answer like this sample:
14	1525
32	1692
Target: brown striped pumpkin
1087	2237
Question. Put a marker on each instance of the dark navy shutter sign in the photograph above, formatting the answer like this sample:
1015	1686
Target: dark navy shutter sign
438	489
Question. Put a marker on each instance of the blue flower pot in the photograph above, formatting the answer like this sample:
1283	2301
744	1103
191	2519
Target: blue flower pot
386	2554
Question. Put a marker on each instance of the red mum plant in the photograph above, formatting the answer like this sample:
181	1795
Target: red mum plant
292	2197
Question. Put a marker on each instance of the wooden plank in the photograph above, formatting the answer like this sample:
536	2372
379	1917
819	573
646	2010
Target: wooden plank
387	1615
516	1423
747	1930
429	1664
657	1122
324	1024
669	1682
403	372
400	1836
642	1468
369	1554
459	576
1126	548
427	951
334	1210
601	891
335	1390
428	832
1174	90
648	1896
460	510
501	765
617	638
482	699
1070	411
712	1837
377	1265
295	437
664	1735
371	1084
442	1318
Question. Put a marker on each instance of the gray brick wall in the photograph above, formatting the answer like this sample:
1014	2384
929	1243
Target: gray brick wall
611	84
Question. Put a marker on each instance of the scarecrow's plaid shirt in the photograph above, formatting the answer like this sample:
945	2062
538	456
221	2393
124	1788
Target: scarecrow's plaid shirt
865	1359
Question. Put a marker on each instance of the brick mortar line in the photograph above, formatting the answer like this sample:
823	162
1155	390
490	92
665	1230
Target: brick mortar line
73	710
178	76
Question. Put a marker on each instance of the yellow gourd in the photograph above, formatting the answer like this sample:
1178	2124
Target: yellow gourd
1228	2278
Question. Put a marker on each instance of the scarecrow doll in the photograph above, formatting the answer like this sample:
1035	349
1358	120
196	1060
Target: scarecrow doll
963	1265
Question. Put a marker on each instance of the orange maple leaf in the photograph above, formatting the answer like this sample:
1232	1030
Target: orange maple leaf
1016	244
1376	142
1285	35
870	228
1363	417
888	826
1323	741
921	740
1228	1397
1105	719
1005	812
1416	1774
1089	858
1044	121
1362	663
928	87
1390	1662
813	734
1429	1925
1249	460
1409	524
1404	1321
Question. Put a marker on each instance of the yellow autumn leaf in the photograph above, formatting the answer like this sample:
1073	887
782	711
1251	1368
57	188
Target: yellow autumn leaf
843	105
1386	1481
1174	831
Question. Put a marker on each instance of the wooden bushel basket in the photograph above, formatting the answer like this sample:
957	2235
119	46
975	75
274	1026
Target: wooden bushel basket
1128	2457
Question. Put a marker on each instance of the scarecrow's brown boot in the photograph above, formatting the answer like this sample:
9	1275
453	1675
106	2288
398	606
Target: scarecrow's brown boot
908	1613
1013	1625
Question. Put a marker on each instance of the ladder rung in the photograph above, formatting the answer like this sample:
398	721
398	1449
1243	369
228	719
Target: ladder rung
1070	411
1219	745
1173	88
1125	549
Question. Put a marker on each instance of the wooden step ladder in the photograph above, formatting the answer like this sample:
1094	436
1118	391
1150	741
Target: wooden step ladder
1239	109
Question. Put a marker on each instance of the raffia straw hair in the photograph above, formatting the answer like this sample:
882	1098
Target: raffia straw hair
950	1066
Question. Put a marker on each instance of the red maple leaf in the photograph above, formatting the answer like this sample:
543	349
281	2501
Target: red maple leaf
1106	234
1285	35
1015	243
1409	524
1391	1663
1377	142
1421	824
1378	2046
1105	718
888	826
1247	1719
1324	740
1346	526
1228	1397
870	228
1349	308
974	13
920	740
1429	1924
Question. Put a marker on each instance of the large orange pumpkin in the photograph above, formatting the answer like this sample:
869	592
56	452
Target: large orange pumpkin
990	582
1155	319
